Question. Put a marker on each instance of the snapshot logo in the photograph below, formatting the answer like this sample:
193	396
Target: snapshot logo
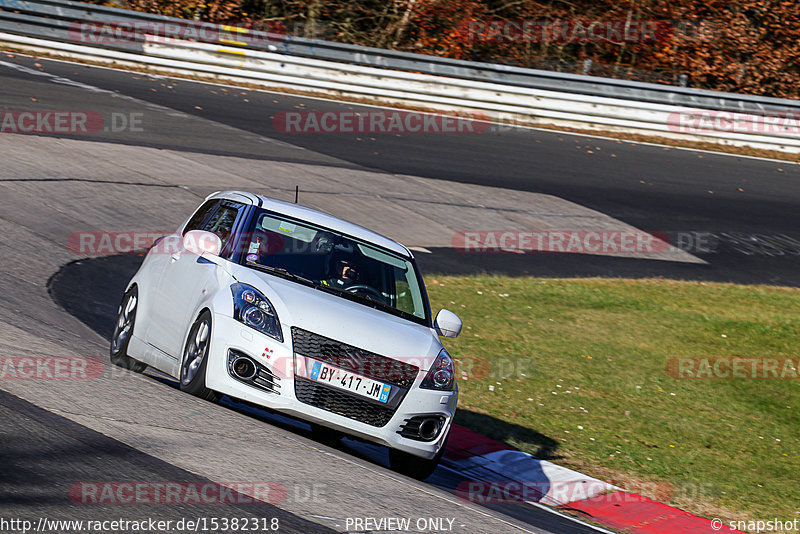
759	525
570	241
709	121
566	31
50	368
176	493
379	122
733	368
67	122
126	31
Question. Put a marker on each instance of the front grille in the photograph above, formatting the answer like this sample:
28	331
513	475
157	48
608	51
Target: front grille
341	403
351	358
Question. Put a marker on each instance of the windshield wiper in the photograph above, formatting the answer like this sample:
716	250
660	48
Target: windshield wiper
284	273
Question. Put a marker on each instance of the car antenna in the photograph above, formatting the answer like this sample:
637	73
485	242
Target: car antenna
296	193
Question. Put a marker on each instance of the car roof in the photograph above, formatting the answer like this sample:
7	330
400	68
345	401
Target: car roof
314	216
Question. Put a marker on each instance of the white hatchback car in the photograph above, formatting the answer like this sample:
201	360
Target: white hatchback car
290	308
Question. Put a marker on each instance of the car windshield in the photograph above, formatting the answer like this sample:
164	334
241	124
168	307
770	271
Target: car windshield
336	263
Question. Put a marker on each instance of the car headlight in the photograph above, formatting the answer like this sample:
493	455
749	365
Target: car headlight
255	310
442	374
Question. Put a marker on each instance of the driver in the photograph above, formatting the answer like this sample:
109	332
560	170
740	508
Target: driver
344	275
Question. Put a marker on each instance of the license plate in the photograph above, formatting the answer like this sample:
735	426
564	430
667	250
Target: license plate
360	385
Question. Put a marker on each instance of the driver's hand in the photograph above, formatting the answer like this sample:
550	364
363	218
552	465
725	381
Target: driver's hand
348	273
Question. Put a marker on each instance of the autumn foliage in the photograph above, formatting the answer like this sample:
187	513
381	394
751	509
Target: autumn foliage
744	46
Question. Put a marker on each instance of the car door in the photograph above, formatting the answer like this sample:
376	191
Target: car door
153	297
189	277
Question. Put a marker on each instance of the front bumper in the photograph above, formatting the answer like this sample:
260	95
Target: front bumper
279	359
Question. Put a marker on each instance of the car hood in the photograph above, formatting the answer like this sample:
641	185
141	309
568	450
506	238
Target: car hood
343	320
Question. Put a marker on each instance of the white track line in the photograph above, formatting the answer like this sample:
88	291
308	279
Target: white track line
546	508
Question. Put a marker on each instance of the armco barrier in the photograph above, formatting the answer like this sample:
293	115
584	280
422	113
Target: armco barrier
506	94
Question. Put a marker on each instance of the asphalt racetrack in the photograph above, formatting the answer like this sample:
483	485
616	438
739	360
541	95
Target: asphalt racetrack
56	300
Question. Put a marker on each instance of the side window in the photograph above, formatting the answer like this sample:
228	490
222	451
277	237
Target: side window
222	220
199	217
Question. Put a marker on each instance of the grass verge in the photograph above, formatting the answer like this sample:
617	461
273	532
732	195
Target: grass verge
577	371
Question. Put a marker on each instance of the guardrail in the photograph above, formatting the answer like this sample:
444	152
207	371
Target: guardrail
505	93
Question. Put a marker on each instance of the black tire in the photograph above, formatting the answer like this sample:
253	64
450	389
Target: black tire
414	466
195	359
123	330
325	435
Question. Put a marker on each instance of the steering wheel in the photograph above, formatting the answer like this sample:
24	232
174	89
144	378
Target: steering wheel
369	290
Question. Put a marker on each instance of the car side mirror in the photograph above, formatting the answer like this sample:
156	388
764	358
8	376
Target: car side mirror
447	323
201	242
